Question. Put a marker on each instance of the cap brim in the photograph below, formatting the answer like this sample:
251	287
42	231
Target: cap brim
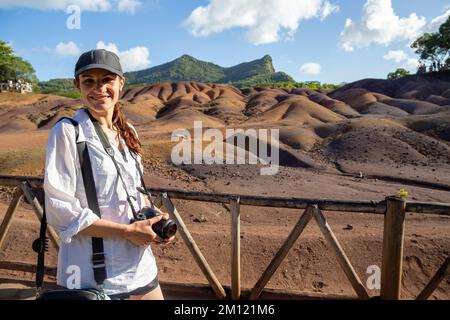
98	66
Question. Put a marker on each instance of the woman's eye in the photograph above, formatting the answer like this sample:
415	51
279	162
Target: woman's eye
108	80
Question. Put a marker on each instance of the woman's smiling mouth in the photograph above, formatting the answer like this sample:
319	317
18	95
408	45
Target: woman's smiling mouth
100	97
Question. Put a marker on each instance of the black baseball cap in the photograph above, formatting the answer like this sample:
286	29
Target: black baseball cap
98	59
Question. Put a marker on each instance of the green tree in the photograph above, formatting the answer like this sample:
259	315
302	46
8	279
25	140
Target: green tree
6	61
13	67
399	73
434	48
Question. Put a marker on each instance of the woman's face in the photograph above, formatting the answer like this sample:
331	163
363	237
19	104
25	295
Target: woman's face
100	90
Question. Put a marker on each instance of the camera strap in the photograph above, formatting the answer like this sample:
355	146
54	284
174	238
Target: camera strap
141	175
110	151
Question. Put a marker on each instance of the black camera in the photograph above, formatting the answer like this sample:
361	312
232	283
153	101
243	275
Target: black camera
163	228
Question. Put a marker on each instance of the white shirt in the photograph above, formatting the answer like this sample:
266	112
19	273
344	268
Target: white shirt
128	266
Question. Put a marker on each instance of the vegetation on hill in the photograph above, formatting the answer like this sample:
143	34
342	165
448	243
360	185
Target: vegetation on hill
248	70
399	73
183	68
13	67
187	68
60	87
306	84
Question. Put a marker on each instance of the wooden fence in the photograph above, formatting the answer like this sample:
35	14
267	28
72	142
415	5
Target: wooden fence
393	208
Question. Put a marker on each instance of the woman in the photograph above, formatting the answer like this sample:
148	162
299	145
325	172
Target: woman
131	271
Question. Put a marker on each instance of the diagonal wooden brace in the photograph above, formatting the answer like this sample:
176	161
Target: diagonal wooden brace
340	254
281	254
53	235
193	248
7	219
442	272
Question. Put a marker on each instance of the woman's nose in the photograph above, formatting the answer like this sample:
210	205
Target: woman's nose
99	85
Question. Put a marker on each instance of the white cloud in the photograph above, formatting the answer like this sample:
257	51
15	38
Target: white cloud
133	59
67	49
110	46
400	56
310	68
328	8
412	63
436	22
85	5
379	24
396	55
128	5
266	20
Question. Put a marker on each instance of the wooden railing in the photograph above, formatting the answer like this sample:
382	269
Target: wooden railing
393	208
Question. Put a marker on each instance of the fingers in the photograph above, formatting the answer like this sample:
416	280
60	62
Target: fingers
158	240
144	234
154	220
165	216
169	239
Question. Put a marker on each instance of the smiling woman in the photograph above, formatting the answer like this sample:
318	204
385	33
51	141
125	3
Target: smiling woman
111	254
99	78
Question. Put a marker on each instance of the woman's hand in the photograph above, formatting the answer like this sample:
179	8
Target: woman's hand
141	233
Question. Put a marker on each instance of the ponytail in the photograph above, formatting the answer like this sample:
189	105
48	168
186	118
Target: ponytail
128	133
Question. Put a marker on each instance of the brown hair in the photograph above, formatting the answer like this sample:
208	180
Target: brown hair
128	133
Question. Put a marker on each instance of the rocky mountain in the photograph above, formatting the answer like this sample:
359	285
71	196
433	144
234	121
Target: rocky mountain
187	68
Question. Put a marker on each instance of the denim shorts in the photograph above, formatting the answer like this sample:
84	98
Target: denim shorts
137	292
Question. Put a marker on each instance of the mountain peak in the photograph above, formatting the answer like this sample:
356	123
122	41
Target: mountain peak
186	57
268	64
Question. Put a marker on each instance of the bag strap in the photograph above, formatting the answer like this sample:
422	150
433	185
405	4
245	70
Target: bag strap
98	256
40	245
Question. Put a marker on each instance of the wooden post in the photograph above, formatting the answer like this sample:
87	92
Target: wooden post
193	248
434	282
235	249
53	235
158	200
281	254
7	219
392	259
340	254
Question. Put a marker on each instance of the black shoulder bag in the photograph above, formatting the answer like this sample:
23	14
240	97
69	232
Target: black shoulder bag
98	257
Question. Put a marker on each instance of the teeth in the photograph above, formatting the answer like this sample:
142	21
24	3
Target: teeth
97	98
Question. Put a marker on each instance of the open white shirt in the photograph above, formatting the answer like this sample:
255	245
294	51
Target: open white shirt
128	266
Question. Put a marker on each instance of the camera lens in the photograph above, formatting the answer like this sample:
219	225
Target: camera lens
170	229
163	228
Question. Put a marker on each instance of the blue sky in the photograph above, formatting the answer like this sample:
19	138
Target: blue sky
325	40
